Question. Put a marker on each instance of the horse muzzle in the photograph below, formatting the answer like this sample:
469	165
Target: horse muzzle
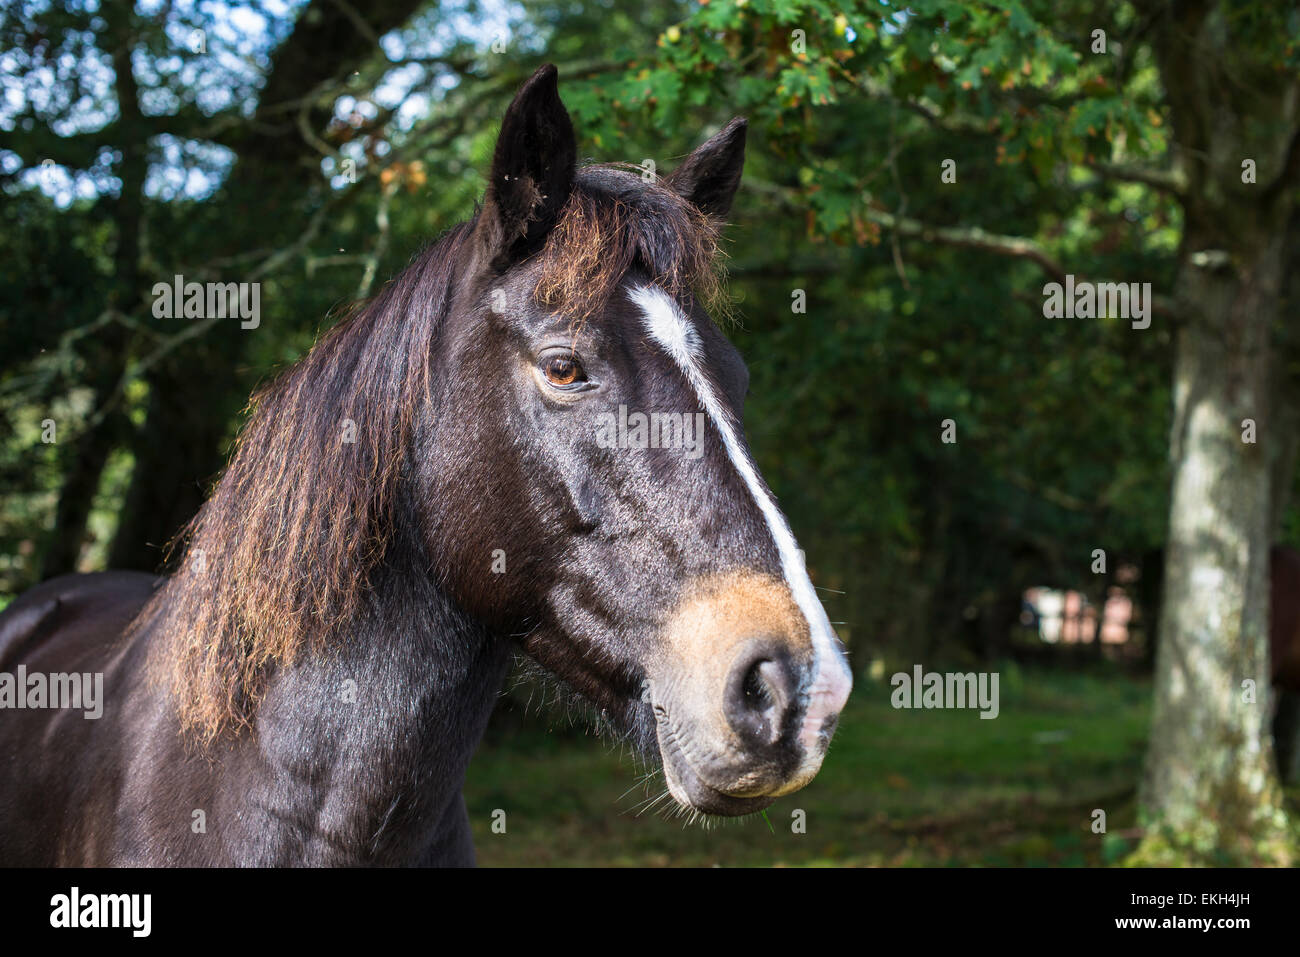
744	707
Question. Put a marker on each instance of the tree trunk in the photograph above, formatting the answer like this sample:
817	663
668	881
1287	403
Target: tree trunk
178	452
1209	768
84	465
1209	791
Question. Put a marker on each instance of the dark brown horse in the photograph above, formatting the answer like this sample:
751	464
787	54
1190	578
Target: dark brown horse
459	469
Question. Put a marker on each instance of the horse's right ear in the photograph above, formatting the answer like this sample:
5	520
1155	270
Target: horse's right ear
532	170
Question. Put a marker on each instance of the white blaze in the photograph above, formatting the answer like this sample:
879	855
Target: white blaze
832	679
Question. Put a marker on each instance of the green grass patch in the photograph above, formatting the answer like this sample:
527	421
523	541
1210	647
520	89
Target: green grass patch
899	787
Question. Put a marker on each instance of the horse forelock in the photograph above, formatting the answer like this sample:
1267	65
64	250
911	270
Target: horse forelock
619	218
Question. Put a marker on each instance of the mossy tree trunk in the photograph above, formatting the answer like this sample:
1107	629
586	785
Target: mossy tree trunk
1210	791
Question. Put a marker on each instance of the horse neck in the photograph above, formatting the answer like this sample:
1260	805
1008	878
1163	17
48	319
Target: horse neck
387	721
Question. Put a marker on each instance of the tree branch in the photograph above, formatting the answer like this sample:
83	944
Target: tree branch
972	237
1172	181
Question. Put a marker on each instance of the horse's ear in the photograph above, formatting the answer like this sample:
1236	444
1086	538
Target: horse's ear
710	176
532	169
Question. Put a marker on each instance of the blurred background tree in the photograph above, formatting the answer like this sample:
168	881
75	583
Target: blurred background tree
916	174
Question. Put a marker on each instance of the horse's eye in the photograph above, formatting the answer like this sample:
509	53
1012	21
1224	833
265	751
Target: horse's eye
564	370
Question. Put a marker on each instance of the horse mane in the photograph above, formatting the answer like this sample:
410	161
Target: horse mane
281	556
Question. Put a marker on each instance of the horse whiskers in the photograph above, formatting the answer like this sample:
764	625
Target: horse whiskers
568	707
653	804
666	806
642	781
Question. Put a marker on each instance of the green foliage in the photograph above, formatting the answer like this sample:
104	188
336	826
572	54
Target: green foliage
1061	426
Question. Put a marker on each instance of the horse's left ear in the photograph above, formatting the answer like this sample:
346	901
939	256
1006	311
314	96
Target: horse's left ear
532	169
710	176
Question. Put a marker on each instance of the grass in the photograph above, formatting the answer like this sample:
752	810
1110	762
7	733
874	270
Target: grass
899	787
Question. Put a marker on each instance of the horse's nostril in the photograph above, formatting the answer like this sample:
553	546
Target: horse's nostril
760	692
